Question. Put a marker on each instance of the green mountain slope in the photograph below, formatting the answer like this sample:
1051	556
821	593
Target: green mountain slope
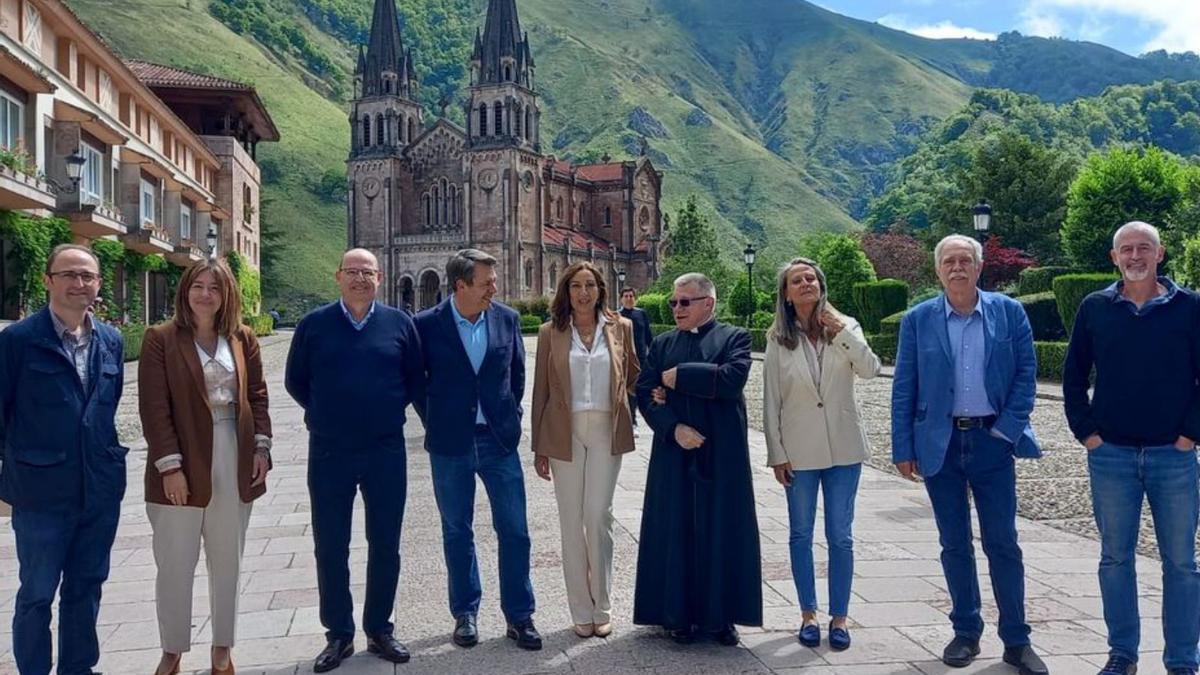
783	117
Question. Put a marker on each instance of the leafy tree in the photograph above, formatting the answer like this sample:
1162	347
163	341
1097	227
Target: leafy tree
741	303
693	248
844	264
1113	189
899	256
1002	264
331	186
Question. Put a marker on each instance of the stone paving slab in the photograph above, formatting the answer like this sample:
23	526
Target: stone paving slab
897	611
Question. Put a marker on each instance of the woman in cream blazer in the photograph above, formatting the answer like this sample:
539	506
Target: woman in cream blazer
585	371
814	433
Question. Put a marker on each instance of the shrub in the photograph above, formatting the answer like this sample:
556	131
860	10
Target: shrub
655	305
875	300
891	325
923	296
262	324
1071	289
1039	279
758	340
741	303
1002	264
530	324
133	333
762	320
844	264
1186	267
899	256
1050	359
1042	310
659	328
884	346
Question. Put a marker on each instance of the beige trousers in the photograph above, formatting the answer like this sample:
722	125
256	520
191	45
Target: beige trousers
584	489
178	531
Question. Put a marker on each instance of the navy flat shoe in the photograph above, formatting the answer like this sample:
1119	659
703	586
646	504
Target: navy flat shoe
839	638
810	635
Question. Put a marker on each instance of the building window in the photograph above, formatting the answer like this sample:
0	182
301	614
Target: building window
247	204
529	274
508	73
91	179
149	199
12	122
528	124
366	131
558	208
483	119
411	127
553	275
581	219
380	135
608	216
428	209
498	119
185	220
452	205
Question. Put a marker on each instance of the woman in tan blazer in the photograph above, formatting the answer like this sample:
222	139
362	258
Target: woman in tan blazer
814	433
203	404
585	372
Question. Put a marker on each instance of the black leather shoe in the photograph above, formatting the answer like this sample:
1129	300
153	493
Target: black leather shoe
727	636
1025	660
331	657
960	652
525	634
1119	665
388	648
465	632
684	636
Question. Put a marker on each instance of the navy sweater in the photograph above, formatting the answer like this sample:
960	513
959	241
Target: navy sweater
354	385
1147	368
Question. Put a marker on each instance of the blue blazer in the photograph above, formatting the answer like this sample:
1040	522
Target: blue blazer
923	387
453	389
60	446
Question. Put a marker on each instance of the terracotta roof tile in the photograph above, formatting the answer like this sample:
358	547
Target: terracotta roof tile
600	172
157	75
579	240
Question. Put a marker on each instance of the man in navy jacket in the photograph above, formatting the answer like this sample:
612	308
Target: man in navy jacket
475	378
962	394
63	471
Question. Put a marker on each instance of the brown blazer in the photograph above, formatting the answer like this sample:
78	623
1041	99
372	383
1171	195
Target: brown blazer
173	402
552	388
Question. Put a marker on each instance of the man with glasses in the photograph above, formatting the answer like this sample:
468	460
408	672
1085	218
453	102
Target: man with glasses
698	570
354	366
62	470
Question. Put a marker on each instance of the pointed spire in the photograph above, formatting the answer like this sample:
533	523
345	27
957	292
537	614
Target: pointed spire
501	41
385	52
361	68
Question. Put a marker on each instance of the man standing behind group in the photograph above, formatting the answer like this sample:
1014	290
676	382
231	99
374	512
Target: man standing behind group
475	374
964	386
61	467
1142	334
642	335
354	366
699	570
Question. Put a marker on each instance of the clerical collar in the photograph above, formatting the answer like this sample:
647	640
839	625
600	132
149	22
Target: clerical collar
704	327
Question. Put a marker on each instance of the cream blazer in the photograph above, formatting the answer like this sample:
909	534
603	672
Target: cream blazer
811	428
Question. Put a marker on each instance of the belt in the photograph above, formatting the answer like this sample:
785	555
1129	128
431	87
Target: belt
967	423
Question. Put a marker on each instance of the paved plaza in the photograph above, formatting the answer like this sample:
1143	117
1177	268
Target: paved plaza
898	611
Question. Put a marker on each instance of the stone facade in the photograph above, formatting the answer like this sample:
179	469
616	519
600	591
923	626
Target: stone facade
418	193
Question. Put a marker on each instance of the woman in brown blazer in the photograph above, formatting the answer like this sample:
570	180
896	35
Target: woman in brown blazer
203	404
585	372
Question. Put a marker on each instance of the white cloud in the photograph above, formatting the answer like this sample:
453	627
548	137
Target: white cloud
937	31
1172	22
1040	22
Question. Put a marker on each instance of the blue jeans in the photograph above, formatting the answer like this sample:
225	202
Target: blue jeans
1170	480
454	489
983	466
336	474
74	547
839	485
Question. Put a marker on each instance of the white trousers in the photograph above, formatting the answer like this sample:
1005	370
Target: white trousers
178	531
584	489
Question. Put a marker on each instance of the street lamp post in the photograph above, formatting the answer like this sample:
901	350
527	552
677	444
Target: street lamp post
211	238
748	256
74	162
620	286
982	219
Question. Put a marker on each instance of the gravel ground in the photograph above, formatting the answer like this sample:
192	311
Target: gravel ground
1053	489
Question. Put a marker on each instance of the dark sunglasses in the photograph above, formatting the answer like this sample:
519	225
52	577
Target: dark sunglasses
685	302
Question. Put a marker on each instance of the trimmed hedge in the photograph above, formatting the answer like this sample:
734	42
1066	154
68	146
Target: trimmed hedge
133	333
655	305
1050	359
1071	289
1042	310
1039	279
262	324
891	325
884	346
875	300
530	324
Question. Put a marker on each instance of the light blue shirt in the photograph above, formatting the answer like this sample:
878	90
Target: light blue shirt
474	338
967	347
358	325
1156	301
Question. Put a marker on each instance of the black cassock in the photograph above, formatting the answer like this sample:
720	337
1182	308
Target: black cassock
698	557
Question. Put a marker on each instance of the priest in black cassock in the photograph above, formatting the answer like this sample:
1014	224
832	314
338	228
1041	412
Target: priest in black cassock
699	570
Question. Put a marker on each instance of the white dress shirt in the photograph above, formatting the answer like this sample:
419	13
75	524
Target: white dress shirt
591	374
220	373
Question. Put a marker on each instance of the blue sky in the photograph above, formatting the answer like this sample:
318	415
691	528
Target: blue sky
1132	26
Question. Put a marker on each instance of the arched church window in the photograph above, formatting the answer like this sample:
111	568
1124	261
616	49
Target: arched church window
452	205
528	124
608	215
443	205
558	208
529	274
483	119
400	128
437	200
553	274
498	118
366	131
517	120
428	209
508	73
380	138
411	127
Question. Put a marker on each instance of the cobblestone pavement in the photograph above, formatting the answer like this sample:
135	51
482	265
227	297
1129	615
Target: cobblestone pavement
898	609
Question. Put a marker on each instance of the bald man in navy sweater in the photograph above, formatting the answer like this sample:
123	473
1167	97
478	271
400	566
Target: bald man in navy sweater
354	366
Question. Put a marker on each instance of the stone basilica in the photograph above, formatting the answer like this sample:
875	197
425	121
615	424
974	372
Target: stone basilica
418	192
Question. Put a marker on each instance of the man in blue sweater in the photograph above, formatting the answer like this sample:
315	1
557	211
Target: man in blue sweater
1142	335
354	366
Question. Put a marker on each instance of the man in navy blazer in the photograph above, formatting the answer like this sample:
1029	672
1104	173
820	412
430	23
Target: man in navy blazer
475	378
963	391
63	470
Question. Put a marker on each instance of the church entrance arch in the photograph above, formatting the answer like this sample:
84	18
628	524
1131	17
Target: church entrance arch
408	296
431	289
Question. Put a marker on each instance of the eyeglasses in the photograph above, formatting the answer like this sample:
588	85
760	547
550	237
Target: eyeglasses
360	274
72	276
685	302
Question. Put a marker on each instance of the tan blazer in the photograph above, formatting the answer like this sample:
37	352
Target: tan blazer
552	388
176	418
816	428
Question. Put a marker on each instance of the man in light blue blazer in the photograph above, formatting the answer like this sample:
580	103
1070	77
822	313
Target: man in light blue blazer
961	398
